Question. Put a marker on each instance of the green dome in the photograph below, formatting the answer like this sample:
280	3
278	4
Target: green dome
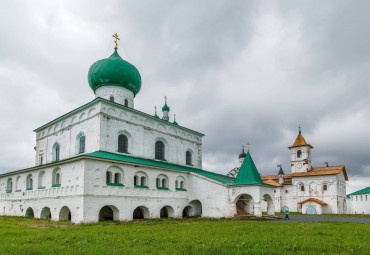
165	108
114	71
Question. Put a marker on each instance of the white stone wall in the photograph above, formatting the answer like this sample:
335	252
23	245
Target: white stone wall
334	196
103	122
359	204
69	194
65	133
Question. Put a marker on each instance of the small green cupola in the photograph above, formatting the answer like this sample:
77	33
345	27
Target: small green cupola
155	112
165	110
174	120
248	173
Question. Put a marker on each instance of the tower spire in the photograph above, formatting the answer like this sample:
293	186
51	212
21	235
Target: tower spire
115	40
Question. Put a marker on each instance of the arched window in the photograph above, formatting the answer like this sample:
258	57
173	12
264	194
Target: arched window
42	180
111	98
299	153
57	177
108	177
29	182
82	145
143	181
188	158
126	102
56	152
18	184
159	150
162	182
325	187
180	183
117	178
9	186
302	187
122	143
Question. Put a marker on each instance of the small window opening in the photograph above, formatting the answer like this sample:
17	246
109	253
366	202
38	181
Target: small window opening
108	177
111	98
142	181
122	143
188	158
117	178
159	150
325	187
299	153
126	102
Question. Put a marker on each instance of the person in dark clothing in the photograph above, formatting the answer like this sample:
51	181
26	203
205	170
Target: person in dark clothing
287	214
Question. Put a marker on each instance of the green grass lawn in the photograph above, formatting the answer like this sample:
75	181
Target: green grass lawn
182	236
331	215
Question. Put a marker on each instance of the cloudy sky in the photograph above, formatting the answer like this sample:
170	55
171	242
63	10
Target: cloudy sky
237	71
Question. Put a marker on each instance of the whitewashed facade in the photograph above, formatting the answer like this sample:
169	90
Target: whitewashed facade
100	161
359	202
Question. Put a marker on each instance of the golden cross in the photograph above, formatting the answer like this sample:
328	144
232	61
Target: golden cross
248	146
155	109
165	99
174	117
115	41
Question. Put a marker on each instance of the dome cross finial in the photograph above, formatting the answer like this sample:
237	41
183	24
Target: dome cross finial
248	146
165	99
300	130
155	109
115	40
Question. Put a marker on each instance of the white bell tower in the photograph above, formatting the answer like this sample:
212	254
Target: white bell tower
300	155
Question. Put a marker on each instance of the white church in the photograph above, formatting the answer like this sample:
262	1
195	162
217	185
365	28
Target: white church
107	160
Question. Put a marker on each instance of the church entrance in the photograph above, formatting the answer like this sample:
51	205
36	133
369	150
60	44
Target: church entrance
29	213
141	212
270	204
65	214
106	213
311	210
186	211
45	213
164	213
245	205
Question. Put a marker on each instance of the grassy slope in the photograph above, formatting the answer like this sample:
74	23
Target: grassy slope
188	236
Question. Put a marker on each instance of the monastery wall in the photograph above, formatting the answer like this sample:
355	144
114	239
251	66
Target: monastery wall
359	204
125	199
42	194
